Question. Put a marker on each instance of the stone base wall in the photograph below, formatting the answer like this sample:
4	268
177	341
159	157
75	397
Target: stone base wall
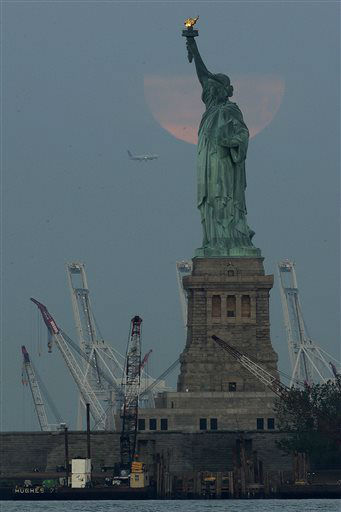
231	411
206	451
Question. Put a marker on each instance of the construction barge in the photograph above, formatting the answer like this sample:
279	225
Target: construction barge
39	493
201	487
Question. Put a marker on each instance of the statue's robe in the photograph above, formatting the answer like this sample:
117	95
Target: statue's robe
222	146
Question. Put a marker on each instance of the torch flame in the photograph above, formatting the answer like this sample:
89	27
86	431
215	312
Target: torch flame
190	22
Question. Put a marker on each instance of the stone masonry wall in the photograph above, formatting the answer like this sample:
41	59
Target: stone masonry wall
204	365
206	451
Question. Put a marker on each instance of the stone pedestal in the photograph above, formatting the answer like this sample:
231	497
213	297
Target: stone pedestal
228	297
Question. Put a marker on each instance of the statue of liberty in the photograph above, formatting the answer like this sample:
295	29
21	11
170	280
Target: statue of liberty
222	146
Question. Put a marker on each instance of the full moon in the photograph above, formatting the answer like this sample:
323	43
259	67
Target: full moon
175	102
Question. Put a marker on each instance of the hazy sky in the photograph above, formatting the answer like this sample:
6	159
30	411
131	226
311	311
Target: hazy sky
73	102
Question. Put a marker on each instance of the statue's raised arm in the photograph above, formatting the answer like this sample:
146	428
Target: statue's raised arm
202	71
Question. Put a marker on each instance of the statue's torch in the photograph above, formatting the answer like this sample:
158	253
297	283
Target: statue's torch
190	32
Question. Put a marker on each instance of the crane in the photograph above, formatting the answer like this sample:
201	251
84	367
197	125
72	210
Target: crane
183	268
258	371
35	390
85	389
145	358
159	379
131	386
100	369
38	390
309	362
99	353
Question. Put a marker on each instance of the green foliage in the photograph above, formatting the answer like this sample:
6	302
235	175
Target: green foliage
312	419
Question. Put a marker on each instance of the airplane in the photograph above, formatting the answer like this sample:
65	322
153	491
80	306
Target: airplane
142	158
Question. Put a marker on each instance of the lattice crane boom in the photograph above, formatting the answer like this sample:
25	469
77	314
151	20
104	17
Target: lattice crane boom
131	386
145	359
35	390
40	395
258	371
161	377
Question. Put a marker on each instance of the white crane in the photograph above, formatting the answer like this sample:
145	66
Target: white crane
183	268
100	353
309	362
35	390
38	390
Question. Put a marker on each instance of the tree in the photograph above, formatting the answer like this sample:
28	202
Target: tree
311	417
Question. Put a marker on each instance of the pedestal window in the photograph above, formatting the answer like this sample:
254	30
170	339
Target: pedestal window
216	306
164	424
203	423
141	424
152	424
231	306
246	306
214	424
271	423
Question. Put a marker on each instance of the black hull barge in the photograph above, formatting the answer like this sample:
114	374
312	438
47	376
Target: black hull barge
67	493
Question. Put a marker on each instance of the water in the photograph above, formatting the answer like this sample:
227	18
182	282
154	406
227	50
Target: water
174	506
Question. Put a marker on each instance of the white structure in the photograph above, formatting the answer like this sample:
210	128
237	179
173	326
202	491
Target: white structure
100	354
38	390
35	390
183	268
309	362
81	473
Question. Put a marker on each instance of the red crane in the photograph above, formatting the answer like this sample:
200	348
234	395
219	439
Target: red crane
145	359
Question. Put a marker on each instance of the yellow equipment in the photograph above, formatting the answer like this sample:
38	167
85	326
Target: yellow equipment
139	477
